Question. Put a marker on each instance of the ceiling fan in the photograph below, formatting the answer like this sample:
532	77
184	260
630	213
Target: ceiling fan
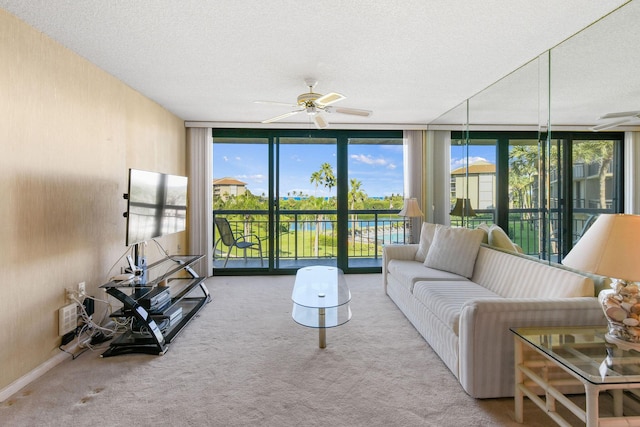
619	118
315	104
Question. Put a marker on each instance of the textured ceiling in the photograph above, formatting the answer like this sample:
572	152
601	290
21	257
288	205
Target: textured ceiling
409	61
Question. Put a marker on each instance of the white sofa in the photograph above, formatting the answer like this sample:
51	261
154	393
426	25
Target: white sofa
465	307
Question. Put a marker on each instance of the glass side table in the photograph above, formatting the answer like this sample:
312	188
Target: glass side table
552	358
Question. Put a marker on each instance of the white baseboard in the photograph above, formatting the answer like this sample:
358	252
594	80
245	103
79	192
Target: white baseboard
36	373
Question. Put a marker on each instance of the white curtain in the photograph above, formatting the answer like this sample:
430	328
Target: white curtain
438	169
200	215
427	158
413	155
631	172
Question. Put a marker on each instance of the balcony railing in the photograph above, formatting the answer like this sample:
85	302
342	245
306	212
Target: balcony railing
312	234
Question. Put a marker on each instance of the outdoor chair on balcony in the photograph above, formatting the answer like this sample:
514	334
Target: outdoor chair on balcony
228	239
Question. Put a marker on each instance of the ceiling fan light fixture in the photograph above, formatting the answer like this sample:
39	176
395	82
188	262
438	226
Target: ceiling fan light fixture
314	104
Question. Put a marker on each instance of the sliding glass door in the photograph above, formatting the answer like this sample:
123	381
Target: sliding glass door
241	194
308	197
305	202
547	192
374	198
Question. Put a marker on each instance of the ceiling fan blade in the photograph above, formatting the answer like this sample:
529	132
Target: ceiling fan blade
352	111
610	124
281	116
620	114
286	104
330	98
319	121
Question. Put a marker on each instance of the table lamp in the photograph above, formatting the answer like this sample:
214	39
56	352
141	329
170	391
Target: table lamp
462	208
611	248
410	210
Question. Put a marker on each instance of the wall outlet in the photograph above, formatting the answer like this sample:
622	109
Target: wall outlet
67	319
82	289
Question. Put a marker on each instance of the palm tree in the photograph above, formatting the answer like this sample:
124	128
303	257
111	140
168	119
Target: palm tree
523	166
596	152
328	177
316	178
355	195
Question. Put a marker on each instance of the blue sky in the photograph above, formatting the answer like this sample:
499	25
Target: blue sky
378	167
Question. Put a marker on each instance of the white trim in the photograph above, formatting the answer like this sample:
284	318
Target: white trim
499	127
402	126
281	125
36	373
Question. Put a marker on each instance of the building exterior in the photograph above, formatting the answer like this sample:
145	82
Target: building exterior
478	184
226	187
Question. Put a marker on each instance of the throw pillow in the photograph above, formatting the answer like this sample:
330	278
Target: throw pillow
454	250
426	237
485	228
499	239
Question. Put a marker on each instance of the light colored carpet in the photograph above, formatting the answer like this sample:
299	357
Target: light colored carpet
244	361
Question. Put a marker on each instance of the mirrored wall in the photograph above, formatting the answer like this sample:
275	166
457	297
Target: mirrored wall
528	122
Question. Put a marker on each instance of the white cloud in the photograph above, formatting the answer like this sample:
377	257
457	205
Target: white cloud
225	158
361	158
256	177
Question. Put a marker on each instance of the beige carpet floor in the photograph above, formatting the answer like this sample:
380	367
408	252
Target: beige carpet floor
244	361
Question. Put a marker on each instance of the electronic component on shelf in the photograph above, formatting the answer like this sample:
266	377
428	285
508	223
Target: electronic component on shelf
155	299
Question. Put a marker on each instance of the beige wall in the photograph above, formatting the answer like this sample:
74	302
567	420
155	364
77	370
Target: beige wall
69	133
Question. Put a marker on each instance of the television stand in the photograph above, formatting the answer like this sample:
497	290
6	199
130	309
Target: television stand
160	308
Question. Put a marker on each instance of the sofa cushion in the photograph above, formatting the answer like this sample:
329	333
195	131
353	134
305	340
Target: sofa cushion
426	237
485	228
446	299
407	273
517	276
454	250
499	239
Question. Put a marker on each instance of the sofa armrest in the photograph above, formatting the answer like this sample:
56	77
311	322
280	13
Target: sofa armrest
487	345
403	252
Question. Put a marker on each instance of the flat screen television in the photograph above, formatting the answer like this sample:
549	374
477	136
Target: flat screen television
156	205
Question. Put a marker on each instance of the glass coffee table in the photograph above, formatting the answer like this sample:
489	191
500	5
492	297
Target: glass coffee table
551	360
321	299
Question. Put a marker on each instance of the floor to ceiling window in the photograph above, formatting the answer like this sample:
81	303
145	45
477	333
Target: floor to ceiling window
375	196
301	197
545	198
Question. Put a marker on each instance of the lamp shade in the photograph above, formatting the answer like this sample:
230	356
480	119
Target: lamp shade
411	208
611	247
463	208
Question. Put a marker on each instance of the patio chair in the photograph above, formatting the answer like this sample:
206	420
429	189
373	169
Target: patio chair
228	239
